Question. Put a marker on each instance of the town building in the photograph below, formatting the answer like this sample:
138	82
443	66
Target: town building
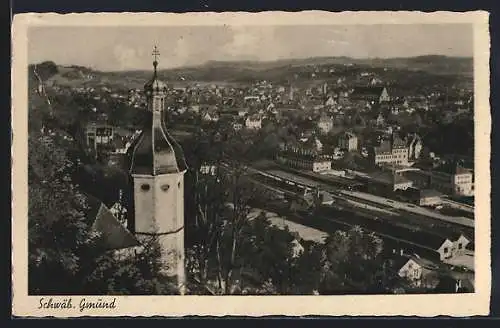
392	151
98	133
325	124
453	179
113	234
330	101
421	197
348	141
237	126
415	269
210	117
460	244
378	120
386	182
208	169
303	159
253	122
429	197
421	179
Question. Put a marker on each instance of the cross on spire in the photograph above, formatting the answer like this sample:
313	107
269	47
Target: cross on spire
156	53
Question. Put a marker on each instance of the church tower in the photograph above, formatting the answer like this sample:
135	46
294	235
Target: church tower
157	167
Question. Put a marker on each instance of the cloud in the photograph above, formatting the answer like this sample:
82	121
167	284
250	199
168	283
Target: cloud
257	42
181	53
128	58
337	42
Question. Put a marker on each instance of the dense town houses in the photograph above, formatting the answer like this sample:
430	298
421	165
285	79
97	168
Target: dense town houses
324	125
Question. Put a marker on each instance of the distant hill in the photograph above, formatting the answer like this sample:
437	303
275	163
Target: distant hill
432	63
252	70
281	69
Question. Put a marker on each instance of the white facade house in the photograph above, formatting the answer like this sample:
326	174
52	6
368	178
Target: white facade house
446	250
99	134
253	123
411	270
210	117
349	141
304	160
321	165
325	124
458	182
460	244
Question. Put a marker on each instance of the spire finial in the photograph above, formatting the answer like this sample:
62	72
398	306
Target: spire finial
155	54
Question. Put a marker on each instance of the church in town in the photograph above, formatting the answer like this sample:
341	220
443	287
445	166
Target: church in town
156	169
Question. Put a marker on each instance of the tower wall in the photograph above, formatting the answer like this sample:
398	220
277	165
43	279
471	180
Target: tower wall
159	211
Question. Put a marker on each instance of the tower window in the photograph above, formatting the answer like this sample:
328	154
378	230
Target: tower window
145	187
165	187
179	184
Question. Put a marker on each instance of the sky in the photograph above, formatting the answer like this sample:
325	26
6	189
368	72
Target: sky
129	48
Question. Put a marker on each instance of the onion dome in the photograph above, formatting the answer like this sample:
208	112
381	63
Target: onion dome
155	151
154	85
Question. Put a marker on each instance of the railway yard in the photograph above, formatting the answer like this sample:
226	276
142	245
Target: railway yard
401	225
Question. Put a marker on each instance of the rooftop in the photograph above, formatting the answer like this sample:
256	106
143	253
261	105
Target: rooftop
401	260
368	91
113	234
430	193
453	168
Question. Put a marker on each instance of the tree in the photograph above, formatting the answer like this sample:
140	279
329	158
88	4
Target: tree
129	272
57	227
234	217
206	206
62	246
351	262
278	258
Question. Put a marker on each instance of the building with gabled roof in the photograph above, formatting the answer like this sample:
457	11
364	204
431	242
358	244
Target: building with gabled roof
452	178
392	151
414	269
112	234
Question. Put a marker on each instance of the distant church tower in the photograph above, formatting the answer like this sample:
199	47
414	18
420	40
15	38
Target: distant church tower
157	167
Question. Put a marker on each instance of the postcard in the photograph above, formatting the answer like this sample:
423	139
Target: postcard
273	163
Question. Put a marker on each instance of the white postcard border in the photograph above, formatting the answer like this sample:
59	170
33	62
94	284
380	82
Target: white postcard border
386	305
